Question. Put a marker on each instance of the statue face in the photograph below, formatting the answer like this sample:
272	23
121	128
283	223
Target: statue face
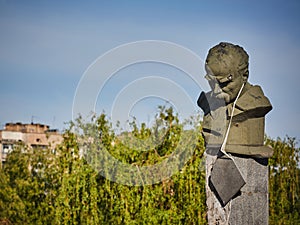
224	82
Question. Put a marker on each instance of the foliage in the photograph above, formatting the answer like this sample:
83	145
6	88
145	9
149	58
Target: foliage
284	187
77	197
179	199
27	183
66	186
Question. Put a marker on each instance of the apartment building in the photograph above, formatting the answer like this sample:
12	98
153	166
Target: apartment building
34	135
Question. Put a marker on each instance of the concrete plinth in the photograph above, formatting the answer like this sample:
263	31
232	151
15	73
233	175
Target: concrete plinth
250	205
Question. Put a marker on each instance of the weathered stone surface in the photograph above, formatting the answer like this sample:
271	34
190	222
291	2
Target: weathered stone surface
216	214
252	206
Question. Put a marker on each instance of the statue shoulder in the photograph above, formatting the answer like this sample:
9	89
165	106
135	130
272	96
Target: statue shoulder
254	102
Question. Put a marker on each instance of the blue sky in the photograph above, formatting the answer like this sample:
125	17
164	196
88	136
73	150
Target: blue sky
46	46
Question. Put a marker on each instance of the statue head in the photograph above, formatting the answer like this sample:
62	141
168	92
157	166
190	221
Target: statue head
227	69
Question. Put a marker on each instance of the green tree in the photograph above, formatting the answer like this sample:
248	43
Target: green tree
284	186
179	199
12	209
28	191
67	186
76	202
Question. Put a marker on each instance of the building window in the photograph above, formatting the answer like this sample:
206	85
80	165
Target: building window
7	148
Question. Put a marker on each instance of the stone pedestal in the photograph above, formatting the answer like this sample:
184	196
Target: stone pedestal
251	205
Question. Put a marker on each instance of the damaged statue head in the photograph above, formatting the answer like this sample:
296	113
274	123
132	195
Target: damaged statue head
233	122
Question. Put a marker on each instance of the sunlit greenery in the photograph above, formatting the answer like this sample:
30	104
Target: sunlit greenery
284	177
42	186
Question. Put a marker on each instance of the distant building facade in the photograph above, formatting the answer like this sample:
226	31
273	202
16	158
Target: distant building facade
34	135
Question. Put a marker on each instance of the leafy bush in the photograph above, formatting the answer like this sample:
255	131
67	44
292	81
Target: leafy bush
39	186
284	186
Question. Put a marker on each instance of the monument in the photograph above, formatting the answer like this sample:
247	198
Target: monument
233	129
